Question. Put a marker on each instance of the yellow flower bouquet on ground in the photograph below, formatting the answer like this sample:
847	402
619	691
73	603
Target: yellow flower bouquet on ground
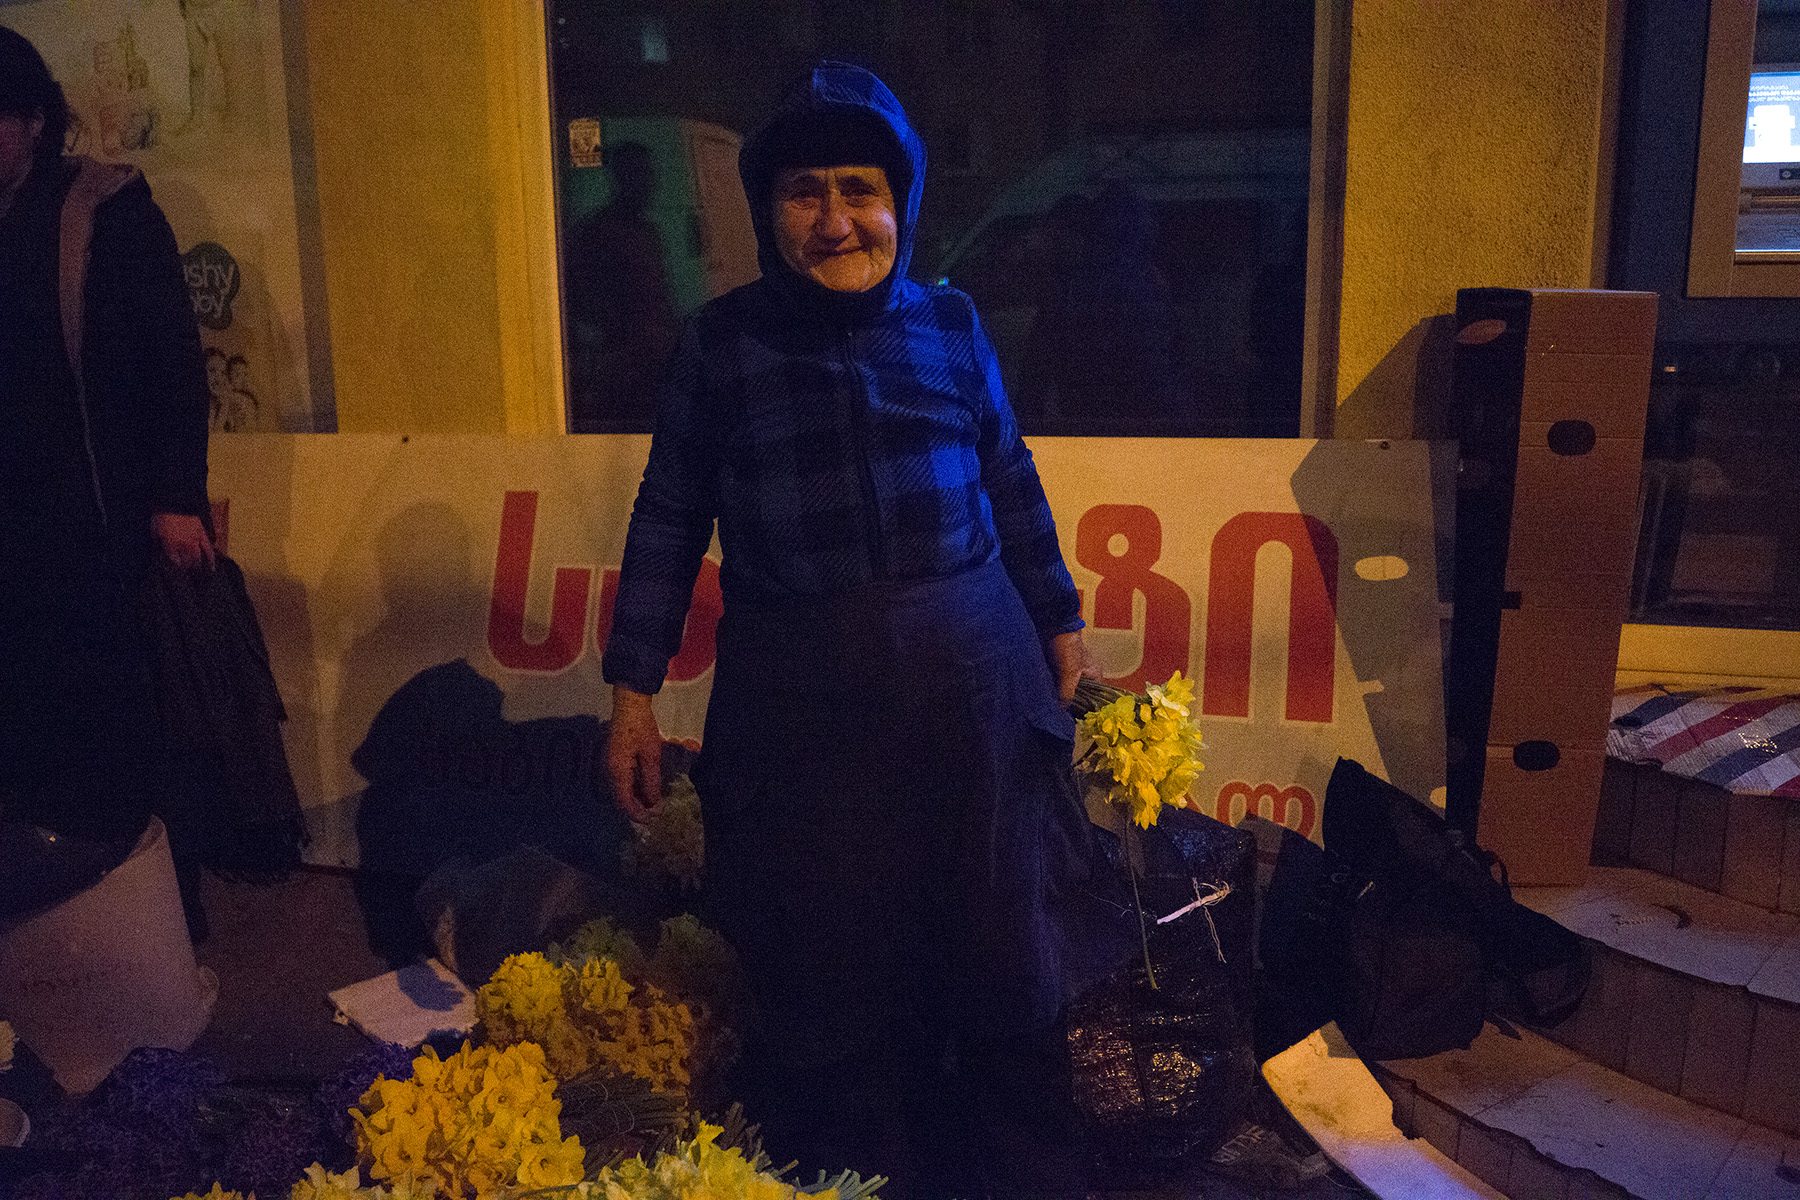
481	1122
320	1184
704	1166
693	967
587	1016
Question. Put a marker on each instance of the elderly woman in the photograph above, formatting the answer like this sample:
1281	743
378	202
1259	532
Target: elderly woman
891	830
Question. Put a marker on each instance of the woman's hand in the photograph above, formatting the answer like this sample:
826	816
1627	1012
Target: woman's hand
183	540
634	754
1069	661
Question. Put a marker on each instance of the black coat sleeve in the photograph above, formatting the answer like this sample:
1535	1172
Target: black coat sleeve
141	354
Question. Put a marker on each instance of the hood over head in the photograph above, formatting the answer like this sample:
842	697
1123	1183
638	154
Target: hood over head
835	110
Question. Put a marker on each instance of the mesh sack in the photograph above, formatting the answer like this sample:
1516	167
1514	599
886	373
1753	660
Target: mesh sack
1163	1069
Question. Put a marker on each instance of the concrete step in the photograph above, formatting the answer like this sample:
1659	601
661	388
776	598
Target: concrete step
1744	847
1536	1121
1330	1091
1693	994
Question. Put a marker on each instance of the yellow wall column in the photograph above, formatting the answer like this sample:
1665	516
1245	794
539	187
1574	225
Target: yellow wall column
1477	156
519	136
431	133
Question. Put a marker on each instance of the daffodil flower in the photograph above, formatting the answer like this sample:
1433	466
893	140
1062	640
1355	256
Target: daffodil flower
1145	746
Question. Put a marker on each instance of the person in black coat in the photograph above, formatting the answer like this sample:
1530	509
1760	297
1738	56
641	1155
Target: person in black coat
103	403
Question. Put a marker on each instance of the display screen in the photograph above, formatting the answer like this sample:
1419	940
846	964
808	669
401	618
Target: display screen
1769	204
1773	111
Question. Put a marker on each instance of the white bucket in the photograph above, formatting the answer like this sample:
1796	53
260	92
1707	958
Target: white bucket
107	970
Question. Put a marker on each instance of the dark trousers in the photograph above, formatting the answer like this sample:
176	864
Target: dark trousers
81	746
84	750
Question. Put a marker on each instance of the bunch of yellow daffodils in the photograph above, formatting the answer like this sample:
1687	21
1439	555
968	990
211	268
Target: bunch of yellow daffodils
1145	747
478	1123
697	1169
320	1184
588	1015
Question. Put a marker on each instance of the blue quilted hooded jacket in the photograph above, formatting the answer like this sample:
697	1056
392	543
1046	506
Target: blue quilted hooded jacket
840	441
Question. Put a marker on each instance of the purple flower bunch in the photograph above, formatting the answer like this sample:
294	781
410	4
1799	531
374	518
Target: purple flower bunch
273	1146
137	1135
165	1123
157	1092
339	1094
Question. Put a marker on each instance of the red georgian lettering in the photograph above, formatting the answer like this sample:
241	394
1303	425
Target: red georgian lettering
1265	799
1312	614
609	595
562	644
699	638
221	523
1168	613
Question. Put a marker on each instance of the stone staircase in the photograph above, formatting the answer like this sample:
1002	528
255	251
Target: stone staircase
1679	1076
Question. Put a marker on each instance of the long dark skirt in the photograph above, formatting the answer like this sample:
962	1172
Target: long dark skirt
80	739
895	845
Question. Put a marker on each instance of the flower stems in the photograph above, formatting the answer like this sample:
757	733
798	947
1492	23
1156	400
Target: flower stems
1138	905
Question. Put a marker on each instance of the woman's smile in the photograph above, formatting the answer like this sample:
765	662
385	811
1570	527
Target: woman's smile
836	225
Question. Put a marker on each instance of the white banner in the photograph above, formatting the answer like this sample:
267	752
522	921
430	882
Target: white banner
1295	580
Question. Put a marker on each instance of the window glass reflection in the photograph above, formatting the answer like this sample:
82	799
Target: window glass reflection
1121	188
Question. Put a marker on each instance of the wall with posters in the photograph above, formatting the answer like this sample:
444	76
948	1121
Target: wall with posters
1294	579
195	93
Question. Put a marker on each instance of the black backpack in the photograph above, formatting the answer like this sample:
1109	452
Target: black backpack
1399	931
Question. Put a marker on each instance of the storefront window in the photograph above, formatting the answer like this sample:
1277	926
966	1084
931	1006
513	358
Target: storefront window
1120	187
1720	535
1720	542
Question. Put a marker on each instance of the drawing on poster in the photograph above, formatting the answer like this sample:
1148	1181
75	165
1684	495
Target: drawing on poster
233	404
162	82
188	91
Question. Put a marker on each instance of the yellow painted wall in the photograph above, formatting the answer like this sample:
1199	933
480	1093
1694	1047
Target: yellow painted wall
1696	654
431	133
1478	155
1474	159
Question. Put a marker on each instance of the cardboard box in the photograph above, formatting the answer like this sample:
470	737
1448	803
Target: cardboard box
1597	388
1580	321
1571	546
1541	823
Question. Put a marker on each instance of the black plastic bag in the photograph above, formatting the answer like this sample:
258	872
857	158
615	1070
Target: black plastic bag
1398	932
523	900
1161	1070
1397	967
229	794
1537	970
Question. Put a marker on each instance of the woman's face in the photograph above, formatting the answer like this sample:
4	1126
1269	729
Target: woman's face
836	225
18	142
